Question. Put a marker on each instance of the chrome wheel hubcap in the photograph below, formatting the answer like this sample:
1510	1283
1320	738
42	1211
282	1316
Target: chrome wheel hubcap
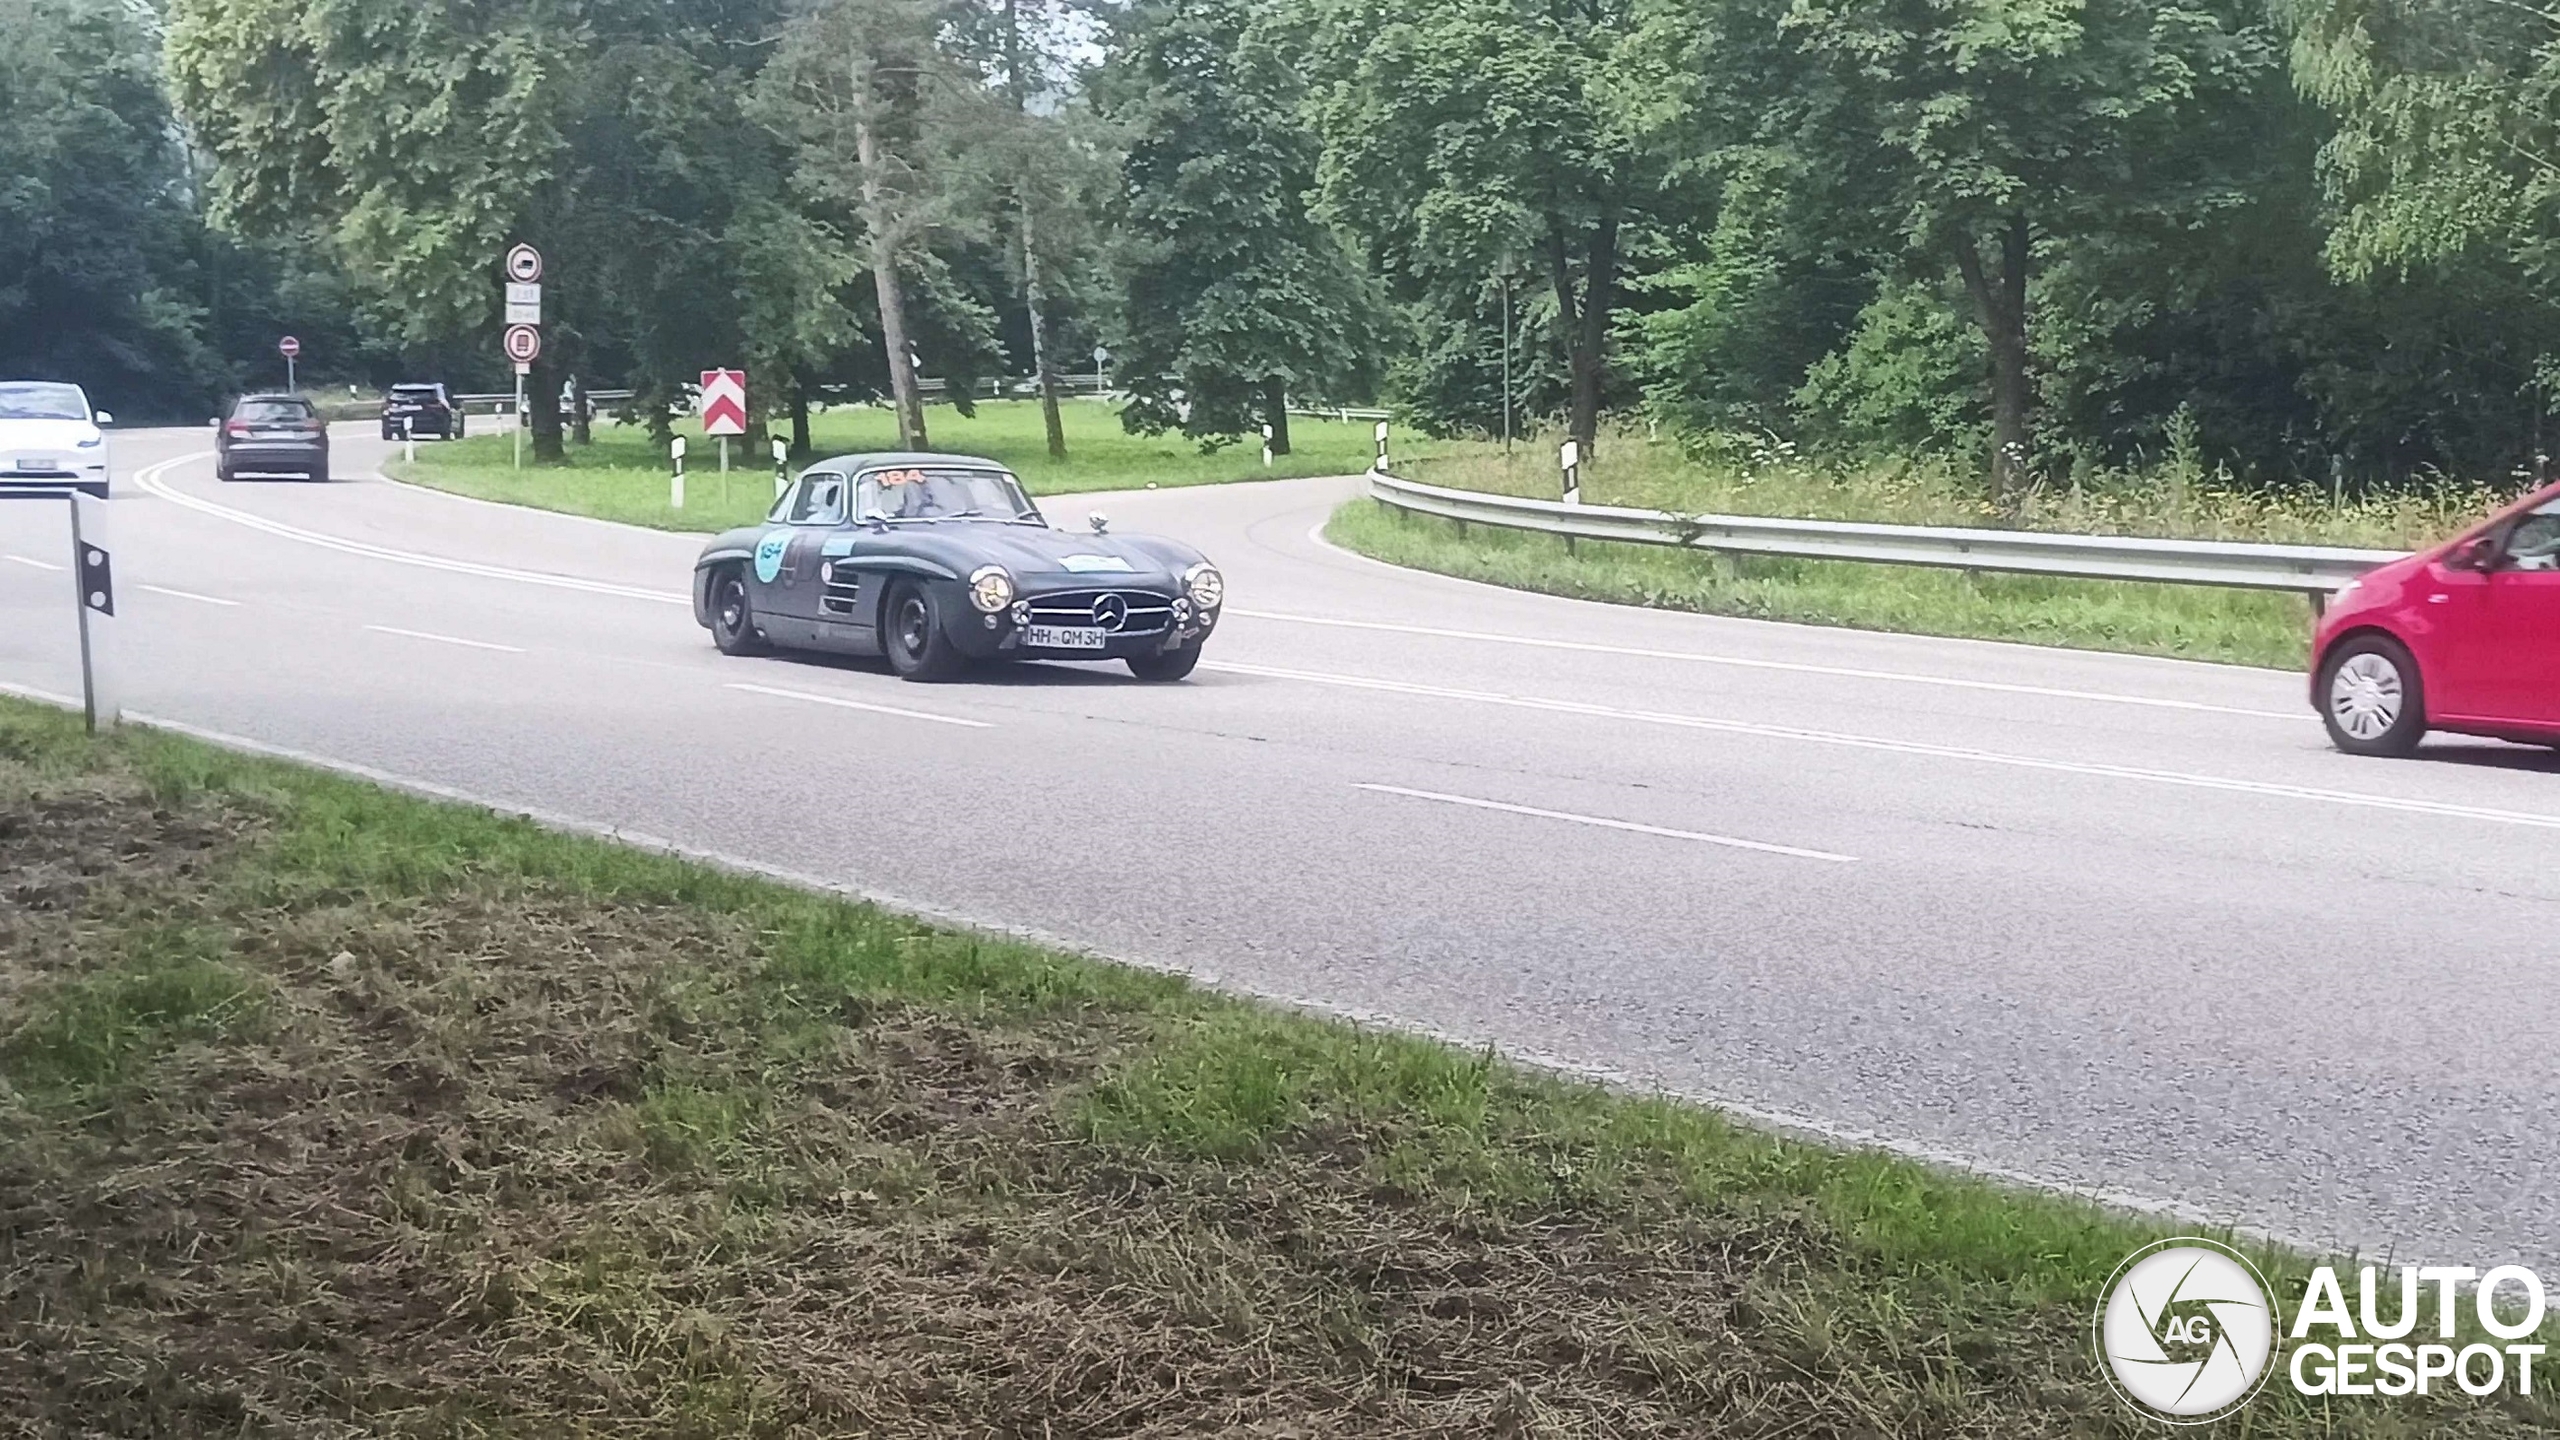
733	605
2366	696
912	626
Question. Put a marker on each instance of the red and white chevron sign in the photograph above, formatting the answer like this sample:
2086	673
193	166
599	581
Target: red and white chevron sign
724	402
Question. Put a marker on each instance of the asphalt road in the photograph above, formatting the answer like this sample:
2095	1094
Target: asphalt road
2114	924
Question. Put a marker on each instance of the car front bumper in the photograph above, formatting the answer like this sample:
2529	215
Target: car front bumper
1002	636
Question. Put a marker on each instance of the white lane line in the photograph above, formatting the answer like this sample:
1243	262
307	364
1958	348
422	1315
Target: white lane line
1915	747
1607	824
442	639
149	479
843	703
186	595
1789	666
25	560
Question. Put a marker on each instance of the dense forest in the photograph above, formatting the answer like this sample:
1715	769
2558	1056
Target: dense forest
2308	241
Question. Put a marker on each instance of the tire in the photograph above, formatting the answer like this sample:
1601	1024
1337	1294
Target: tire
223	474
2372	698
911	635
1166	664
733	616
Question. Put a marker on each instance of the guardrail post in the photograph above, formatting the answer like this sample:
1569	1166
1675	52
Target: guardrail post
93	573
675	486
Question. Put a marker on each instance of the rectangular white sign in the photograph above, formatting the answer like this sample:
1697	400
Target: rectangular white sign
524	303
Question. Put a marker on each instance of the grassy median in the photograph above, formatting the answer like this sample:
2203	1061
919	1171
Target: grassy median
2171	499
623	476
329	1110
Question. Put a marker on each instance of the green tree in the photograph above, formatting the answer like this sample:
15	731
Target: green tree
1996	128
1466	138
420	141
1232	291
867	96
99	281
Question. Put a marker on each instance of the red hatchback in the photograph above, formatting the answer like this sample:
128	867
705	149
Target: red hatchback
2464	637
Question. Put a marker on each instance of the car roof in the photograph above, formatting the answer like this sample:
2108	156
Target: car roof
911	459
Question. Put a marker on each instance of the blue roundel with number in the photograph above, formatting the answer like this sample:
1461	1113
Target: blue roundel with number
769	555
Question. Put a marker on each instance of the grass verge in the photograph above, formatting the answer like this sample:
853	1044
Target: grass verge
2185	621
329	1110
1744	476
622	476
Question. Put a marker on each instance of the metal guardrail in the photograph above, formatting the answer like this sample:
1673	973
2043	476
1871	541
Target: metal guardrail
2314	570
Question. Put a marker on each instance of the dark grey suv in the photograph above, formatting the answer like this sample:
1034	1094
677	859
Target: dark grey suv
271	435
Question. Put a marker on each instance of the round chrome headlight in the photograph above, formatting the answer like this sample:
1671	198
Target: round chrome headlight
990	588
1205	585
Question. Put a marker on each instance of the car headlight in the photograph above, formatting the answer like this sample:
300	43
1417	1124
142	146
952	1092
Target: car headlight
92	443
1205	585
990	588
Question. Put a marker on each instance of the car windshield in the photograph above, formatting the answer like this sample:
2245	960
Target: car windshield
36	400
271	412
941	494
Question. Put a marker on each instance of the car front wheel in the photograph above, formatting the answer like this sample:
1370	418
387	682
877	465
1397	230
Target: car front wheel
733	617
911	634
2371	697
1166	664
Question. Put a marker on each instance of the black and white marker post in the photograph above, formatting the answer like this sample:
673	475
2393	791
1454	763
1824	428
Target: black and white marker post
781	467
1570	457
1381	465
93	579
675	485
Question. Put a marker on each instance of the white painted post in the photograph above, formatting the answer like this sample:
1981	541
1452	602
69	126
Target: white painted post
781	467
1571	458
1266	447
408	439
93	579
675	487
1382	445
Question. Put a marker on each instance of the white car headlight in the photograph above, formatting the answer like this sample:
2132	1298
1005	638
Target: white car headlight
92	443
1205	585
990	588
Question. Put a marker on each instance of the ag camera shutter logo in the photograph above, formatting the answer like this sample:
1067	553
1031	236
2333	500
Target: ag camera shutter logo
2185	1330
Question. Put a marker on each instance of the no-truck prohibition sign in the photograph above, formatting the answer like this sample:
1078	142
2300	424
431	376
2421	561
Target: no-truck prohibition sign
523	343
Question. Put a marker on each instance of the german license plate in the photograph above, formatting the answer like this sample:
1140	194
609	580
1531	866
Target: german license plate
1063	637
46	463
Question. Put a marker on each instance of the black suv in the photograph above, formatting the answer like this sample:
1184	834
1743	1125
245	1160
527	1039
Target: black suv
425	409
271	435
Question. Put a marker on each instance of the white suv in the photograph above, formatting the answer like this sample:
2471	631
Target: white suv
49	438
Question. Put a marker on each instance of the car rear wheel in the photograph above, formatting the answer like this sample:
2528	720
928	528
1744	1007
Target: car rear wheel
1166	664
733	616
2371	697
911	635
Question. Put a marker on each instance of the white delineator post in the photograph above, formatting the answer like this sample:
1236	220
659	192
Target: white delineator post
781	467
93	572
1382	445
675	486
1266	447
408	440
1570	457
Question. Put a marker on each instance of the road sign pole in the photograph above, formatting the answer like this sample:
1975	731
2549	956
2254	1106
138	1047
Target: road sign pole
288	375
724	454
93	579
